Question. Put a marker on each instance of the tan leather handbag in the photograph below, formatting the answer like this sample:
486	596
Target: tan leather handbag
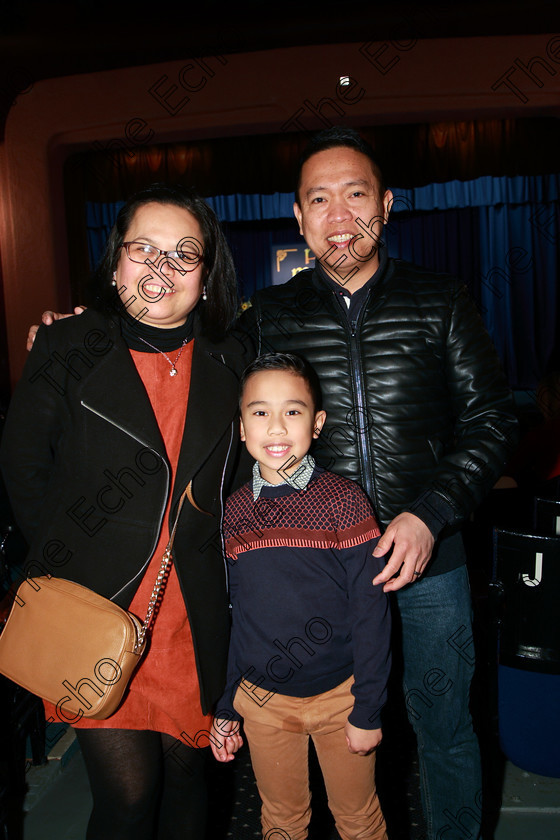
73	647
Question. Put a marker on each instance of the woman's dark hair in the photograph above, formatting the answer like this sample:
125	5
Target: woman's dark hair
289	362
218	311
334	138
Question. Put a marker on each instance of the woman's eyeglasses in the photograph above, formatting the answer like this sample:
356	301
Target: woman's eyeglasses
142	252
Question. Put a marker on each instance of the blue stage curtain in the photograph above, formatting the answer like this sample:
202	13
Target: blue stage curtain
499	235
249	208
517	286
100	218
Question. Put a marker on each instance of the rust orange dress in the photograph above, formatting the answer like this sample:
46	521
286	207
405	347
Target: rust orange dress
163	694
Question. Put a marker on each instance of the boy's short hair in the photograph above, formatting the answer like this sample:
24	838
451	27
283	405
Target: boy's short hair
289	362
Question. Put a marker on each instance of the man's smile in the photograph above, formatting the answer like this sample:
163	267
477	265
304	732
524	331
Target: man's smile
341	239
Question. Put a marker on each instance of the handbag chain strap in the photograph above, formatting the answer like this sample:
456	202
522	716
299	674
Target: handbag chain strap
159	585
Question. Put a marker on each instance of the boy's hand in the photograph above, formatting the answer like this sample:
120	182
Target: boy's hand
48	318
361	741
225	740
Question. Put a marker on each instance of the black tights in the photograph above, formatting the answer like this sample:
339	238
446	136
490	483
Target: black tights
145	785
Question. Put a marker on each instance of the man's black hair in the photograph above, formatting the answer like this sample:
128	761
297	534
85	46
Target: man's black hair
333	138
289	362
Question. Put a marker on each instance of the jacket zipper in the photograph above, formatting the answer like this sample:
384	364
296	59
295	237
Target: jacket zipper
362	419
130	434
222	542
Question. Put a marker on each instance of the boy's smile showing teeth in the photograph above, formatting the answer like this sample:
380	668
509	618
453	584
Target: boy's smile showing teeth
275	449
278	421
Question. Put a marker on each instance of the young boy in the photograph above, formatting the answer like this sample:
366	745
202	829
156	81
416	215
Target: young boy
309	651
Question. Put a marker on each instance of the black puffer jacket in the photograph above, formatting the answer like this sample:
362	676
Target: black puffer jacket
418	409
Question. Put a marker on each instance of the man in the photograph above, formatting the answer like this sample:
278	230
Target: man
419	413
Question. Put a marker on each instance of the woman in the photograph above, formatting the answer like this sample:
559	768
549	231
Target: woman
96	454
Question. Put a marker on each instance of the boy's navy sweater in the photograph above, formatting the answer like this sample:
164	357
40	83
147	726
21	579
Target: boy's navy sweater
305	614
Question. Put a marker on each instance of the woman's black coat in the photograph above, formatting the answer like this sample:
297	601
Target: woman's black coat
87	472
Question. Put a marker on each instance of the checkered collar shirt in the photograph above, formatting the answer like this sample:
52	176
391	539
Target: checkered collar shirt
298	479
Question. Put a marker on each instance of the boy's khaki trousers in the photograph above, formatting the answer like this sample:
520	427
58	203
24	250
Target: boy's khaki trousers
278	728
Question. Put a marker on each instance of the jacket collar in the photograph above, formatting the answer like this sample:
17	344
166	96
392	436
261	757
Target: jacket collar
375	279
115	391
213	398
